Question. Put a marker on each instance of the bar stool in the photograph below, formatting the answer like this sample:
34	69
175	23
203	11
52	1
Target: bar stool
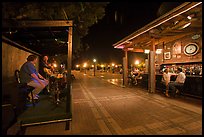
23	86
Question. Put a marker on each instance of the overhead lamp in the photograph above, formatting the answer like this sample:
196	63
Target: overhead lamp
189	17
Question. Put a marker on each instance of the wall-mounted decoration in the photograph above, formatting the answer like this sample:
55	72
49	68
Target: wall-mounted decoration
196	36
176	48
178	56
174	56
167	55
191	49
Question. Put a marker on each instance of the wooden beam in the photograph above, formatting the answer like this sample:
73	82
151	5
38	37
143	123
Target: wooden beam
168	39
53	23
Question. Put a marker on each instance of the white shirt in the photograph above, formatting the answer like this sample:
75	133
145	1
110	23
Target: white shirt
181	77
166	77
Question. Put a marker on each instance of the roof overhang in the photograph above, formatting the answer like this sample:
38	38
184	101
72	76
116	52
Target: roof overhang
167	28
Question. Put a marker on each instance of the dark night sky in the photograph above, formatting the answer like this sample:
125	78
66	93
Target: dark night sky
131	16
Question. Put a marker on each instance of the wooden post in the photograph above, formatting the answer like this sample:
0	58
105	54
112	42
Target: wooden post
125	69
69	67
152	82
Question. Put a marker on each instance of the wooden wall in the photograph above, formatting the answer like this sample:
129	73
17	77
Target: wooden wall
180	57
12	59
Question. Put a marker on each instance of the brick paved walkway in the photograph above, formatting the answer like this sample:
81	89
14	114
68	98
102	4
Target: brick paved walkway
101	108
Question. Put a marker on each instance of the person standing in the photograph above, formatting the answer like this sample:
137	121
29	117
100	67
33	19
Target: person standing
166	79
29	75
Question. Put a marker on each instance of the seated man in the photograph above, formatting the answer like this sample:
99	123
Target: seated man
45	67
29	75
45	71
178	82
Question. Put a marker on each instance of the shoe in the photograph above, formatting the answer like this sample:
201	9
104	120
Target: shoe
37	96
167	95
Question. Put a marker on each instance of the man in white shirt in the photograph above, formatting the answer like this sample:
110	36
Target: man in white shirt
178	82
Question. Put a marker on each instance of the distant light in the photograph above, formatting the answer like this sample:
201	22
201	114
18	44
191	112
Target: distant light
55	65
92	66
94	60
85	64
113	64
146	51
55	39
77	66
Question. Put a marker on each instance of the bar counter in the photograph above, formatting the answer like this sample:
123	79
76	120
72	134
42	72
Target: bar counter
192	85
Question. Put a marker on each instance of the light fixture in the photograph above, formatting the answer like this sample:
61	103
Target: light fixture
158	51
196	36
176	22
85	64
146	51
137	62
130	48
55	65
189	17
186	25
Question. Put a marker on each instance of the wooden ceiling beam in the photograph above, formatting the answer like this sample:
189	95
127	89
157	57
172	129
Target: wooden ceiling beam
27	24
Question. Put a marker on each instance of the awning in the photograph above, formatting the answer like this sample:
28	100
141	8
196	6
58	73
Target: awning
181	21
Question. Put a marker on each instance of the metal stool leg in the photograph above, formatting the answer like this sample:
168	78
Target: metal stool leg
32	98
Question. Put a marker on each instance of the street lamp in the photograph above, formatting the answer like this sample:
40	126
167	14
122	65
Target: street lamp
85	64
94	60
